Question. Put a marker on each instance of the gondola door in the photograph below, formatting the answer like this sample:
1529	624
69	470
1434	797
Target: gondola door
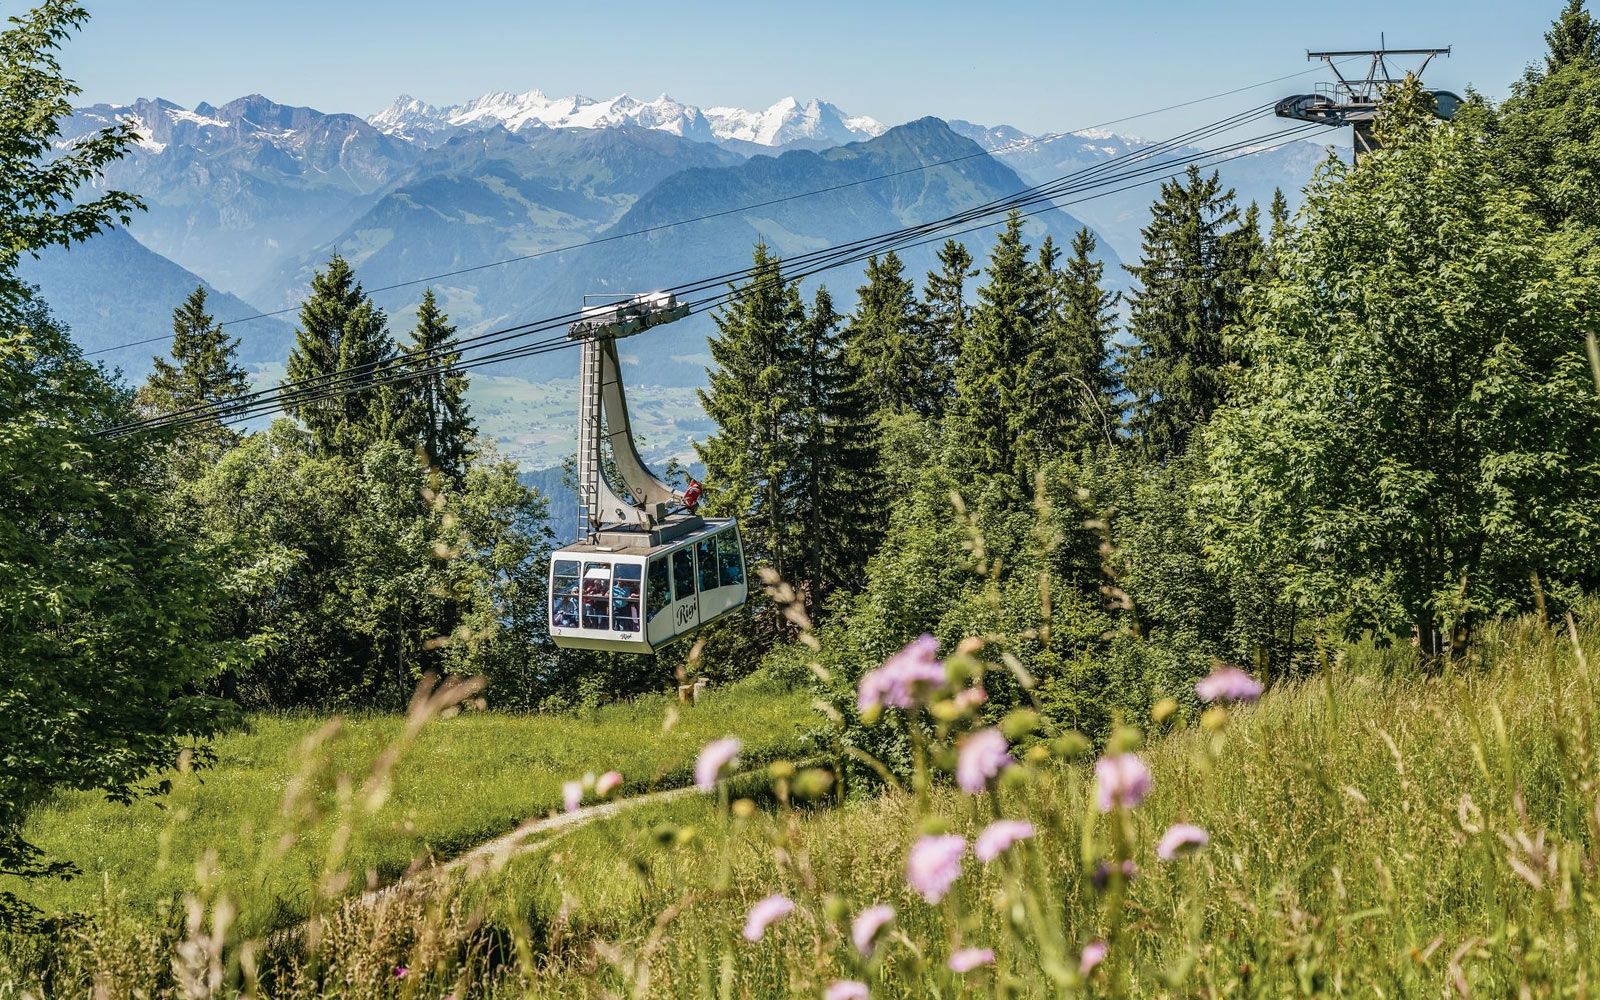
685	598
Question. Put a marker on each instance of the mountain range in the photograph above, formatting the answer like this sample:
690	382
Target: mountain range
250	196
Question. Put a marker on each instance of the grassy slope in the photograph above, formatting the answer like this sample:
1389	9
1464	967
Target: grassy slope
1368	829
466	779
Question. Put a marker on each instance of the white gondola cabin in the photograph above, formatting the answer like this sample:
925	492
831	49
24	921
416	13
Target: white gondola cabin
647	570
624	594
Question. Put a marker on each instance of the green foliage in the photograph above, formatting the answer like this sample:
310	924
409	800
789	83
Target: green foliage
434	405
343	340
109	619
945	314
203	374
1573	39
1418	434
839	489
355	579
40	185
886	343
986	414
1198	257
752	395
1548	140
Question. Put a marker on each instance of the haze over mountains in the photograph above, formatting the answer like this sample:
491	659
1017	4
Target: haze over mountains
251	196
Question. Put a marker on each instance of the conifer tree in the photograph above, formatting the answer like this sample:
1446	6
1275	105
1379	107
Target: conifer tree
1083	325
993	356
1573	38
839	488
753	397
203	371
1064	396
886	340
1278	216
1197	258
342	333
944	321
435	410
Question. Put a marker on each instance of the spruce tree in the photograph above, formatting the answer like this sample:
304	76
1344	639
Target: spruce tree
982	438
886	339
1083	324
753	397
944	321
435	415
344	337
839	485
1197	258
203	371
1573	38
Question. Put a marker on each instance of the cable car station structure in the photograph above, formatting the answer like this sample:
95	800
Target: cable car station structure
1354	100
646	569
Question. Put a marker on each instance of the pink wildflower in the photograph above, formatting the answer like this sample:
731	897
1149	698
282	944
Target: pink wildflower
572	794
934	864
864	929
1228	684
607	783
968	959
846	989
713	758
982	755
1122	780
1093	954
766	913
897	682
998	837
400	972
1181	839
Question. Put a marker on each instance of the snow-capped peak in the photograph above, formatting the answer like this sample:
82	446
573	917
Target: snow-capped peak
786	121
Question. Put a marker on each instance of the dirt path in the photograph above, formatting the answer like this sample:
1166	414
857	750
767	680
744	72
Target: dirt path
533	835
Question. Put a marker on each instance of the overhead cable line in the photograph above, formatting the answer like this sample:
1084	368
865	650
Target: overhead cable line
1066	184
1001	150
309	392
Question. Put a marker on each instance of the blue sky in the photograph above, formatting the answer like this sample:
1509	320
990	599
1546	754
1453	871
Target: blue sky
1040	66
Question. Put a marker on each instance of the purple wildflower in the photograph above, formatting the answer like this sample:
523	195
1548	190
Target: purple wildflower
968	959
982	755
1122	780
1228	684
400	972
766	913
1102	874
998	837
934	864
896	682
1093	954
1181	839
846	989
572	794
864	929
713	758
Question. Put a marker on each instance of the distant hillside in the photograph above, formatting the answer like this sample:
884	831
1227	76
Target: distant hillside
1119	215
112	289
858	205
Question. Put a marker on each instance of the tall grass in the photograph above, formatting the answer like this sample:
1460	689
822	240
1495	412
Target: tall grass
269	812
1373	831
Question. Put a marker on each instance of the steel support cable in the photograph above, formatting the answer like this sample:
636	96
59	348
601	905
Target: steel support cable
523	351
400	369
1001	150
1053	188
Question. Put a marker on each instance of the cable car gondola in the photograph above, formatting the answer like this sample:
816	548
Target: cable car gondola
647	570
